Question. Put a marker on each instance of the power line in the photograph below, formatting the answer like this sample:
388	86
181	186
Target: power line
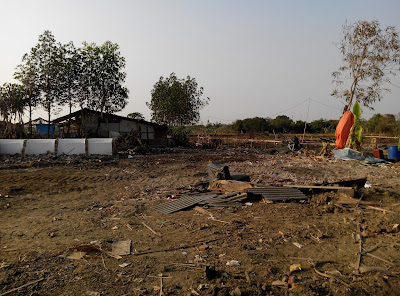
219	118
326	104
393	84
289	108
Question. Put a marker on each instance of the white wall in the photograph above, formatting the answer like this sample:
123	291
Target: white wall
100	146
40	146
96	146
11	146
71	146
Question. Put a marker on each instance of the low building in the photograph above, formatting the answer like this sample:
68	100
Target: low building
88	123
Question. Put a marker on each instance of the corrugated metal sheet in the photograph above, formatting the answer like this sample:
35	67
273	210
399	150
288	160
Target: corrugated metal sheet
277	193
182	203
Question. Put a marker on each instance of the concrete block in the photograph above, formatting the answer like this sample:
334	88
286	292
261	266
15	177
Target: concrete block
11	146
71	146
100	146
40	146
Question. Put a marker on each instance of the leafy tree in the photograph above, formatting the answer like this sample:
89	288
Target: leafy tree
176	101
107	77
373	122
136	115
69	82
238	125
55	75
282	124
27	74
298	126
103	78
47	55
371	55
387	124
11	103
323	126
255	125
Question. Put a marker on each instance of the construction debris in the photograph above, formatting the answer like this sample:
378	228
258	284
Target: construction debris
182	203
121	248
233	193
216	172
230	185
274	193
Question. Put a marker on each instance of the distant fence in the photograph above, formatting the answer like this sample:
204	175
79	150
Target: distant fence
94	146
370	141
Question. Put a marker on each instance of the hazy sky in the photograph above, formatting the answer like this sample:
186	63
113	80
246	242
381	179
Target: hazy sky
253	58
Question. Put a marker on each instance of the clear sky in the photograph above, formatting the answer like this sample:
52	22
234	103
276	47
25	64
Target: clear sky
253	58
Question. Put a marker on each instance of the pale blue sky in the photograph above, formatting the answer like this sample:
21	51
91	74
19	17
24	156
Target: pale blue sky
253	58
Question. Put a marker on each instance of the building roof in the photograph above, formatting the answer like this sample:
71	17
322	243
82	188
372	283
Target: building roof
109	115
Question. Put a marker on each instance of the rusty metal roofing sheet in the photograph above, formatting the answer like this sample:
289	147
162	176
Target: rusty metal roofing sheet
182	203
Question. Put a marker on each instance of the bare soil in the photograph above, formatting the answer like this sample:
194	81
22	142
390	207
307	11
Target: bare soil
48	207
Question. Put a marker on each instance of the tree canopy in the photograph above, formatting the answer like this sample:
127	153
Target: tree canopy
371	56
11	101
176	101
136	115
55	75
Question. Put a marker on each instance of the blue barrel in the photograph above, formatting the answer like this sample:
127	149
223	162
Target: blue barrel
393	153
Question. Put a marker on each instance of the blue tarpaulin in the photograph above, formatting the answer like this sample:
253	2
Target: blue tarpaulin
352	154
43	128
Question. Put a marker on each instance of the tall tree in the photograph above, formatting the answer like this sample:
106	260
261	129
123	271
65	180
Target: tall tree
69	81
371	55
27	74
176	101
12	103
107	91
48	56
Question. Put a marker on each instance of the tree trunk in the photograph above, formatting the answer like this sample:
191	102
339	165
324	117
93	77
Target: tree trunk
48	123
82	130
69	119
30	118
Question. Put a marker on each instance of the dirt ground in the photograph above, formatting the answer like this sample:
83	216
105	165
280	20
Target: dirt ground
49	207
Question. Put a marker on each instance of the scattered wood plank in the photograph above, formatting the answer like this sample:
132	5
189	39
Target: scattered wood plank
23	286
149	228
331	277
380	209
319	187
379	258
359	254
345	200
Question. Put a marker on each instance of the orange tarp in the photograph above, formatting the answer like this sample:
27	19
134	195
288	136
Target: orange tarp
343	129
